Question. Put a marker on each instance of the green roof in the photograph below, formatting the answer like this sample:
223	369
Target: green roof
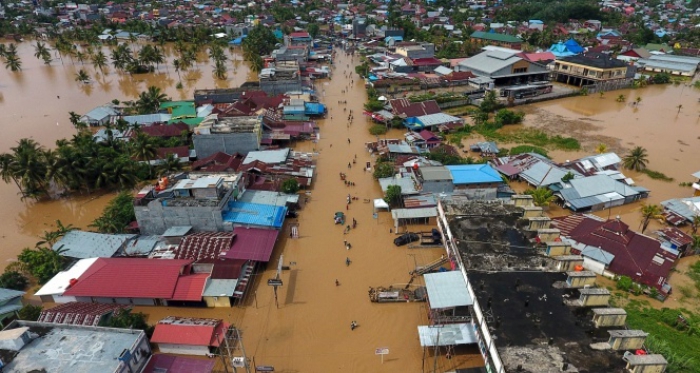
653	47
180	109
190	122
495	37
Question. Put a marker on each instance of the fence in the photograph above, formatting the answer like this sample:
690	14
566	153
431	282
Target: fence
608	86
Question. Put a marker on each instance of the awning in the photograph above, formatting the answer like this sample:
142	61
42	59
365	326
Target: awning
380	204
446	335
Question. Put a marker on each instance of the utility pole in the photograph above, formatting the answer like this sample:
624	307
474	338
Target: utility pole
245	357
437	346
223	358
228	352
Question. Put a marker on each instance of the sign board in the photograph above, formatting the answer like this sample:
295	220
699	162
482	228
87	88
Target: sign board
274	282
264	368
238	362
382	351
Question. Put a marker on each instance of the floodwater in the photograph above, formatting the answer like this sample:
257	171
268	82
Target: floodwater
35	103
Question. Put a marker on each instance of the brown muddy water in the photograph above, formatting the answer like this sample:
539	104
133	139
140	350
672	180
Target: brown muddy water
310	331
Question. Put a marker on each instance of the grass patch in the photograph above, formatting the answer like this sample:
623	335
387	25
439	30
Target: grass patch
656	175
694	274
673	333
520	149
528	136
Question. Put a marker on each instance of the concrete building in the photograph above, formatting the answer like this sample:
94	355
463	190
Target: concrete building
27	346
196	201
416	50
591	68
504	68
228	135
501	40
282	77
435	179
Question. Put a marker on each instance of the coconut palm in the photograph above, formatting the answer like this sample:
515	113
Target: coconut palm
220	70
169	165
81	57
601	148
142	147
695	224
637	100
621	98
650	212
256	64
149	101
27	165
178	67
51	237
46	56
158	56
13	62
3	50
99	60
636	159
542	197
82	76
40	49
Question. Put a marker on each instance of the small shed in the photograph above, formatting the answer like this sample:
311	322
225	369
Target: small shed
538	222
532	211
653	363
604	317
174	234
557	248
580	279
448	297
565	263
594	297
627	339
407	216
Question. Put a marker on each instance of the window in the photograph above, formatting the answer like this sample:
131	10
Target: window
520	70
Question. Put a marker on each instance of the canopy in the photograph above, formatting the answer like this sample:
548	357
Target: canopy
380	204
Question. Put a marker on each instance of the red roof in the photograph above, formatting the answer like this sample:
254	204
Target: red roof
129	278
78	313
302	34
190	288
637	256
536	57
227	269
431	61
428	136
414	109
189	331
253	244
459	75
179	152
204	247
178	364
217	162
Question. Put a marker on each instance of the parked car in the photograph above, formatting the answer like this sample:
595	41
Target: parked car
406	238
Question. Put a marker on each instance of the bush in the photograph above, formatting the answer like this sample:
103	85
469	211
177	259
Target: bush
520	149
290	186
382	170
13	280
624	283
505	116
377	130
656	175
117	215
374	105
661	78
393	195
29	313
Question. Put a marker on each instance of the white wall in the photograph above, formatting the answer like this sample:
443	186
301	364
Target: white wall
183	349
593	265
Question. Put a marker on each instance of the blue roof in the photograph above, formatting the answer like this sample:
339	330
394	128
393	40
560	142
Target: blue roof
256	214
314	108
573	46
561	50
474	174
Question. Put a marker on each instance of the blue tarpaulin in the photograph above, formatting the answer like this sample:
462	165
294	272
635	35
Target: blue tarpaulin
255	214
314	108
238	40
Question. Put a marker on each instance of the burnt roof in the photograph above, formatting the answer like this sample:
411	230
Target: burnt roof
534	328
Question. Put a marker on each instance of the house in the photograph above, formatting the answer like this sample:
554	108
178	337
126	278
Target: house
423	140
434	179
566	49
228	135
681	210
283	77
433	122
406	109
29	346
99	116
82	245
146	120
671	64
178	364
597	192
188	335
165	131
674	240
477	181
10	303
415	50
218	162
504	68
634	54
80	313
130	281
610	248
193	200
493	38
590	68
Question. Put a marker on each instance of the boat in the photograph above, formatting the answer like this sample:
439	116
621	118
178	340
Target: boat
339	218
388	295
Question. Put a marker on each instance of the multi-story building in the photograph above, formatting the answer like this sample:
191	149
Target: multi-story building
590	68
229	135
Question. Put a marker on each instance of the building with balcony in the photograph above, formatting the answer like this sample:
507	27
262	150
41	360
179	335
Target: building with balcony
590	68
229	135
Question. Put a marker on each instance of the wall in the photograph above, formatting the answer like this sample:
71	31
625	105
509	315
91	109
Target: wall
154	219
183	349
593	265
596	300
218	302
610	320
629	343
438	186
229	143
275	87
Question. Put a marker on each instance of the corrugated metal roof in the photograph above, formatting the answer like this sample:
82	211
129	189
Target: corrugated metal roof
425	212
178	364
600	184
129	278
437	119
141	245
406	183
7	294
474	174
255	214
668	65
267	156
253	244
447	290
268	198
446	335
419	201
190	287
101	112
147	119
598	255
435	173
542	174
489	62
682	206
189	331
177	231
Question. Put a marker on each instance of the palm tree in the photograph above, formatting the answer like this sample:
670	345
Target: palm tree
601	148
679	109
40	49
695	224
637	100
696	243
149	101
541	196
3	50
46	56
158	56
142	147
220	70
13	62
636	159
80	56
50	237
82	76
169	165
178	67
650	212
28	167
76	122
621	98
99	60
256	64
